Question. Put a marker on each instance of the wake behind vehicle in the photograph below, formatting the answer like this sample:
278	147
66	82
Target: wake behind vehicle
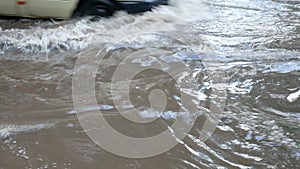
63	9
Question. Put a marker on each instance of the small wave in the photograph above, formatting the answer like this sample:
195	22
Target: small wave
280	67
240	87
293	96
170	115
11	130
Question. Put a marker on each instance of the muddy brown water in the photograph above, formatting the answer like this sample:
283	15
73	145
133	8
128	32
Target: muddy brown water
255	44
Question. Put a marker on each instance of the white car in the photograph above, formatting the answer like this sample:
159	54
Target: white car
63	9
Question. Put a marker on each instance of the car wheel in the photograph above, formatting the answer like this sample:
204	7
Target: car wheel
103	8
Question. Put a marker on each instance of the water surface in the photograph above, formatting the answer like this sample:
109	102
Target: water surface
255	42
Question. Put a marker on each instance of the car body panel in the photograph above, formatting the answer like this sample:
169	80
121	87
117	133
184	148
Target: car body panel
8	7
51	8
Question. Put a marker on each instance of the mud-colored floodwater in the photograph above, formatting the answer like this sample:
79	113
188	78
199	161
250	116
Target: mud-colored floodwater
254	43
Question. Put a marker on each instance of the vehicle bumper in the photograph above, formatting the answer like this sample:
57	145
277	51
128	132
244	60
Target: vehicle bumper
140	6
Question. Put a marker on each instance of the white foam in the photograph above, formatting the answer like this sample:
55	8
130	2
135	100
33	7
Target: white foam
188	10
240	87
293	96
79	34
11	130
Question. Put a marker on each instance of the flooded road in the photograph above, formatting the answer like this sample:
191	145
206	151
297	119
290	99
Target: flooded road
254	43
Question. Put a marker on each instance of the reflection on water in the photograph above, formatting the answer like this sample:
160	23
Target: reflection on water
255	42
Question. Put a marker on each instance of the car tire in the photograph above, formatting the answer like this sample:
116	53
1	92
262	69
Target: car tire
102	8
